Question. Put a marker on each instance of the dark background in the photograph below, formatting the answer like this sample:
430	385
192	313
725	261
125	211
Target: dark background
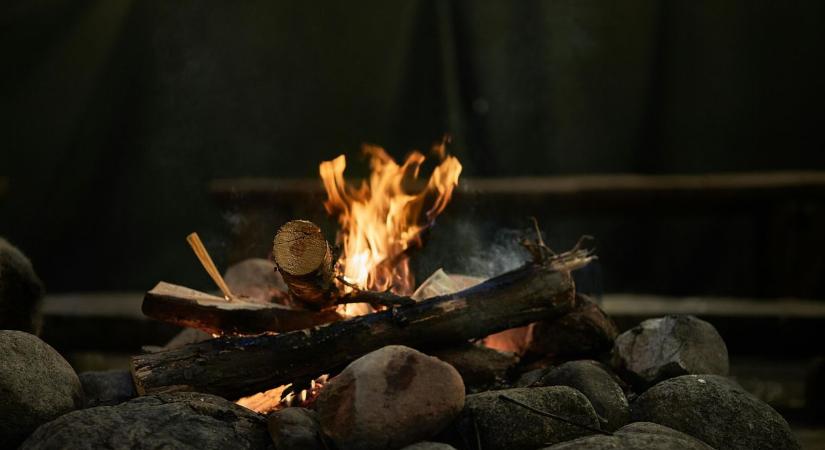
115	115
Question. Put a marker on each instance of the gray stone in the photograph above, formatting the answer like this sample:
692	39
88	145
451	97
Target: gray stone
255	279
429	446
21	291
36	385
667	347
531	378
593	380
390	398
107	388
500	424
185	420
480	367
715	410
636	436
295	429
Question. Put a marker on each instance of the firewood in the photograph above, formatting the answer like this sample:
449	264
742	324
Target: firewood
236	366
206	261
190	308
303	257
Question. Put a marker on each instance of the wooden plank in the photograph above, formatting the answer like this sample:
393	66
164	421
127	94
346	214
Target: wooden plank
190	308
624	305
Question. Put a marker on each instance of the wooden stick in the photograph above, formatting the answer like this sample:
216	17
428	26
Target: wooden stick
237	366
206	261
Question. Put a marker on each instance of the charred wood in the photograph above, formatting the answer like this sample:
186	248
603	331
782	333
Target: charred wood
237	366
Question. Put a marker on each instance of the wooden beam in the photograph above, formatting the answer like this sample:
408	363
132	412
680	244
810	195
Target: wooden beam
703	191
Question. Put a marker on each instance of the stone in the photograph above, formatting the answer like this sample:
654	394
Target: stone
296	429
667	347
429	446
36	385
255	279
636	436
480	367
500	424
107	388
392	397
21	291
531	378
585	332
599	385
717	411
184	420
187	336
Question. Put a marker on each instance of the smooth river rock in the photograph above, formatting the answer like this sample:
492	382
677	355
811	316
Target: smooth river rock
36	385
392	397
636	436
667	347
185	420
21	291
296	429
107	388
599	385
715	410
500	424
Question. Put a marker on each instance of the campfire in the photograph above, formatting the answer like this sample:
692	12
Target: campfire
332	344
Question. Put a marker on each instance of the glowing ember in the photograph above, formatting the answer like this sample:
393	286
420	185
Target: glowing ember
381	219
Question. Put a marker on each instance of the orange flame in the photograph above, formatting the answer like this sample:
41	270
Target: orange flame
381	219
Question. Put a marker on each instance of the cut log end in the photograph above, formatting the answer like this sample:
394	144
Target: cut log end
303	257
300	248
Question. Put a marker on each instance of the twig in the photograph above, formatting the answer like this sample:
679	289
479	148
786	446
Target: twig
538	249
554	416
206	261
384	298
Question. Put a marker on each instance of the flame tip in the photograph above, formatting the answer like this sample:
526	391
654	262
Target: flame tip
380	220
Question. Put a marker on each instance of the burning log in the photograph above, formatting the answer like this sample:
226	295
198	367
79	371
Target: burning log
303	257
190	308
238	366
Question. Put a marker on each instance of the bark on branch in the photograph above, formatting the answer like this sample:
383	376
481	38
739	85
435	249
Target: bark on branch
236	366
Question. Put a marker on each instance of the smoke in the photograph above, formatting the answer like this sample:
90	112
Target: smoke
467	248
495	256
236	221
